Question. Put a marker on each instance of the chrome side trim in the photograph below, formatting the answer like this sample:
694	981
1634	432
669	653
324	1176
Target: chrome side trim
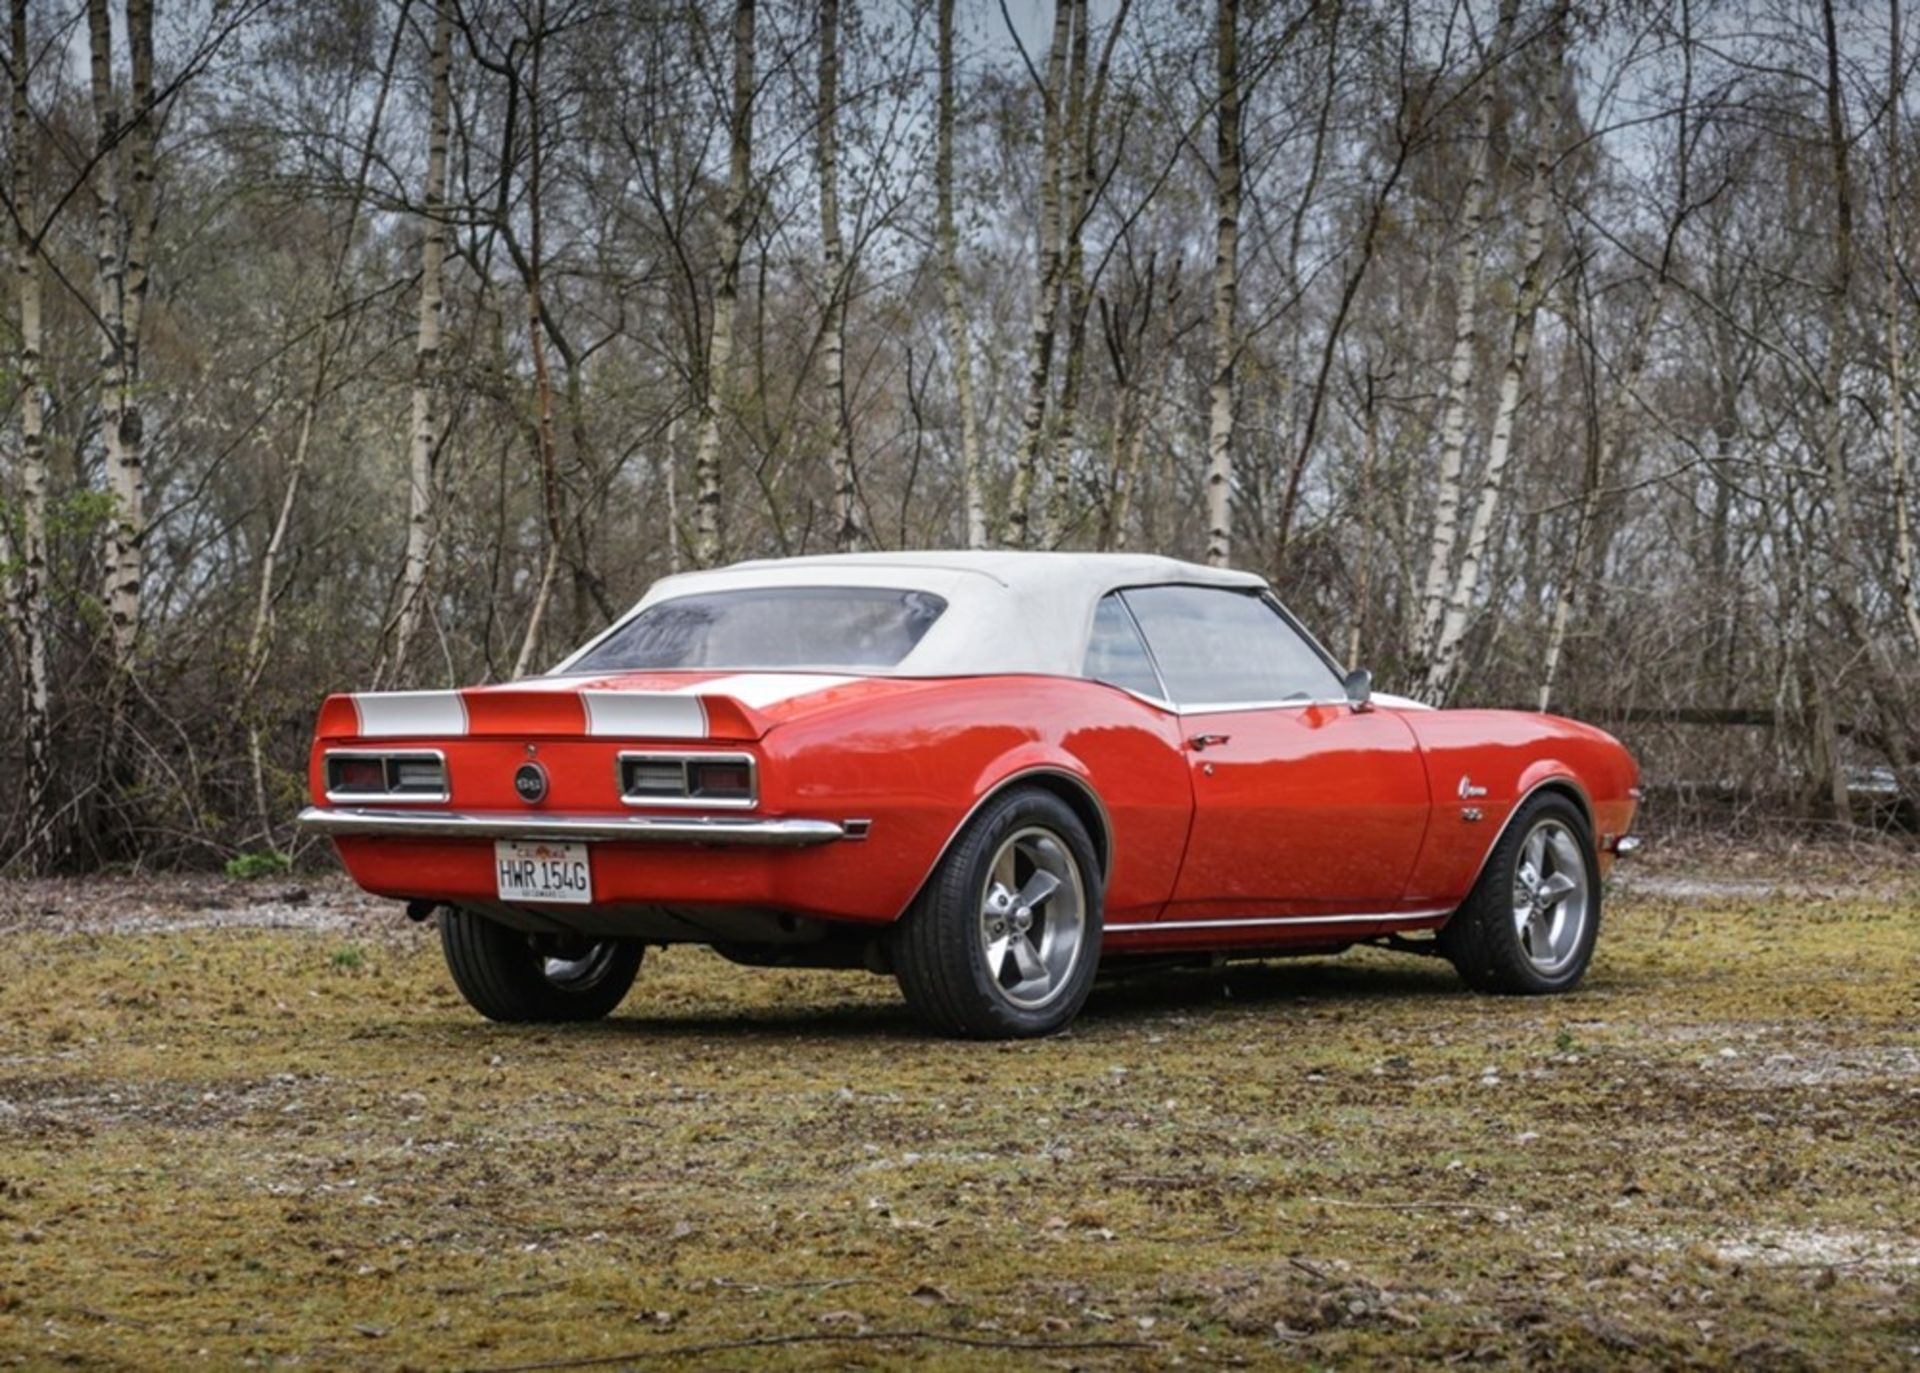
1272	921
1223	707
790	832
683	757
387	798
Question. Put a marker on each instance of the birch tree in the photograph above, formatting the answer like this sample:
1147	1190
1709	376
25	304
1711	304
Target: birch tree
1839	290
30	593
1444	657
545	446
121	235
848	535
708	522
1226	247
1460	369
1046	294
422	429
1085	106
972	481
1903	550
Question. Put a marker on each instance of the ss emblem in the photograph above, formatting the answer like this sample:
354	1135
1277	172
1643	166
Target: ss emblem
530	783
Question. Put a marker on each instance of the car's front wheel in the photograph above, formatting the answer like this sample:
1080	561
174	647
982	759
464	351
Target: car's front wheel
507	974
1530	924
1003	942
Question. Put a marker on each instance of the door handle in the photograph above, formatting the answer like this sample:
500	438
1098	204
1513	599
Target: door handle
1207	741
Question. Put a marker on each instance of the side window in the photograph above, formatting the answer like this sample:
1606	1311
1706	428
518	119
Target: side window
1115	654
1221	647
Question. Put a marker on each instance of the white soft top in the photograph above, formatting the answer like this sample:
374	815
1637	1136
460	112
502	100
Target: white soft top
1006	612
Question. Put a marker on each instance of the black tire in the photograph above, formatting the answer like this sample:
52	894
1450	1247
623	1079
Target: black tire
1484	939
504	973
940	948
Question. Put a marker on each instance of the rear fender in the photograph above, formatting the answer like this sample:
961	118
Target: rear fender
1062	775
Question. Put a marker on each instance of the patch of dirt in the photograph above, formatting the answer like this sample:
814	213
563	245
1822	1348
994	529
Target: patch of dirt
30	1105
1822	1249
1814	1066
176	904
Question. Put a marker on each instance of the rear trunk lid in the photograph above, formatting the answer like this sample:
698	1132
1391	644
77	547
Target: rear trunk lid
731	707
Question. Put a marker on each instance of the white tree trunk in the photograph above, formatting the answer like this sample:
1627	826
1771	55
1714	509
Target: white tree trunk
1903	546
422	433
708	539
1453	423
30	594
1832	402
124	486
972	478
1444	664
1078	134
1226	257
849	536
1046	298
543	430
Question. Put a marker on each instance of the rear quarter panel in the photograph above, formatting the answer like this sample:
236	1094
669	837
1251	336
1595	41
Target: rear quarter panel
919	756
1508	754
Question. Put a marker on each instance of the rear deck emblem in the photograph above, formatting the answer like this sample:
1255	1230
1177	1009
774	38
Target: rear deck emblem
530	783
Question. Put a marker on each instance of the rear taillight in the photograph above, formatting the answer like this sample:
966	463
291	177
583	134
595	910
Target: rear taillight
721	781
364	775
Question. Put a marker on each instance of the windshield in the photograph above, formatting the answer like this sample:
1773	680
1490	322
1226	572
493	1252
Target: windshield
835	627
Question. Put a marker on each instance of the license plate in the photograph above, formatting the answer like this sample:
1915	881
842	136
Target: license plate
534	871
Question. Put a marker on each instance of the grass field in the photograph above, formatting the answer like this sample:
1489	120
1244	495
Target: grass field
247	1126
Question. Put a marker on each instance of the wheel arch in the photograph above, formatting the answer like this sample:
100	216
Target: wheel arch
1542	780
1075	790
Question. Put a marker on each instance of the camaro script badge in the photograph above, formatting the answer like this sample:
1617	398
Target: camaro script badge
530	783
1468	790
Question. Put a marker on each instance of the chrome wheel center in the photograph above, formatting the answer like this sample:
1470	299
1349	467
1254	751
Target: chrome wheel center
578	971
1551	900
1033	918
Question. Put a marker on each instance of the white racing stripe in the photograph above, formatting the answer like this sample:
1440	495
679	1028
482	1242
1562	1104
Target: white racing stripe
392	714
761	689
676	714
644	715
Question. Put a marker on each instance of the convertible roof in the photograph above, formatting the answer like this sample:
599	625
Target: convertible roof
1006	612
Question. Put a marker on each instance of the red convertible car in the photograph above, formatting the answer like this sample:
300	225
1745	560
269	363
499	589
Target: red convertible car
983	773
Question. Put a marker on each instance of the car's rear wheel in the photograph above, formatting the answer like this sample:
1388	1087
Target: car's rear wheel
507	974
1530	924
1003	941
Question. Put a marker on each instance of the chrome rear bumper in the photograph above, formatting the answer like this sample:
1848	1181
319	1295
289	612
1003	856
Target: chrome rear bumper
657	829
1626	844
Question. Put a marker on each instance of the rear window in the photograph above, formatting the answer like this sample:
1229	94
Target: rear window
845	627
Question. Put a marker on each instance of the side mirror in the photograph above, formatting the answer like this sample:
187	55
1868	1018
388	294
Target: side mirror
1359	685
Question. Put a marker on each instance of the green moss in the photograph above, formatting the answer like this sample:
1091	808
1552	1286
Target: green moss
248	867
271	1146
